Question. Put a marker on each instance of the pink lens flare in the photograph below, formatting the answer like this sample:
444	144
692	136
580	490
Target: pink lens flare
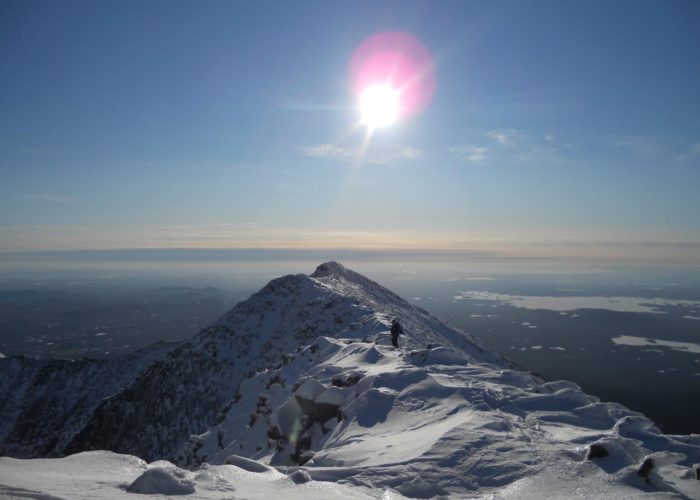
399	60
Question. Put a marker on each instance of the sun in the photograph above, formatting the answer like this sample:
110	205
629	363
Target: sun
379	105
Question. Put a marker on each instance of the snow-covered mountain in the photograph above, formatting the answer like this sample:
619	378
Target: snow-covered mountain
302	377
45	403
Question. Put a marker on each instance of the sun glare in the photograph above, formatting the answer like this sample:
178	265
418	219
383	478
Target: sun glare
379	106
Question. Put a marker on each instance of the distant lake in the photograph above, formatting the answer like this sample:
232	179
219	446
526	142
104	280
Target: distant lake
626	334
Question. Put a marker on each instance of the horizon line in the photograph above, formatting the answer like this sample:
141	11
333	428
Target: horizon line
279	252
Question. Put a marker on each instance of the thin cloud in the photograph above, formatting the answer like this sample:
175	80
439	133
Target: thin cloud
329	151
509	145
394	155
639	145
646	146
470	153
505	137
56	198
611	245
692	152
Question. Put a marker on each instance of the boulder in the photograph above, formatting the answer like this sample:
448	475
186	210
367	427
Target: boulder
162	481
596	451
300	476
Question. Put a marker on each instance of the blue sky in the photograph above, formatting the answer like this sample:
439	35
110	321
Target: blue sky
556	128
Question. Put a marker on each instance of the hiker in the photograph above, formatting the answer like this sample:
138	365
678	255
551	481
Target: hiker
396	330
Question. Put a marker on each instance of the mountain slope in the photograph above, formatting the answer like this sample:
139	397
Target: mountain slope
302	377
431	422
199	377
44	403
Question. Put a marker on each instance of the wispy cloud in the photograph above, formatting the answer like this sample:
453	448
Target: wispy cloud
693	151
56	198
470	153
347	154
613	245
639	145
505	137
509	145
656	147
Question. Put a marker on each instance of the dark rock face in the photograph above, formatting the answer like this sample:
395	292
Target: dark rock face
645	469
172	399
317	411
346	380
596	451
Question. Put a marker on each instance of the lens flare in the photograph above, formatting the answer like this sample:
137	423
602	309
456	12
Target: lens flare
392	76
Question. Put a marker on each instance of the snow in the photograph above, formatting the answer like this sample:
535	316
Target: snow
646	342
297	393
248	464
106	475
569	303
310	389
332	396
164	481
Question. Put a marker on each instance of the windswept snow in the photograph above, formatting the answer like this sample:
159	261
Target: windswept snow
297	392
105	475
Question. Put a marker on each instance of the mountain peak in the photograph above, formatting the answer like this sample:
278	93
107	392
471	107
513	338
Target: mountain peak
330	268
335	272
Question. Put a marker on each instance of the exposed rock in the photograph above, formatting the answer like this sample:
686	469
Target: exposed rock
346	380
274	433
596	451
317	411
305	456
300	476
645	469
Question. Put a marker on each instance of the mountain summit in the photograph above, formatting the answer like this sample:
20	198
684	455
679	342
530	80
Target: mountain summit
302	377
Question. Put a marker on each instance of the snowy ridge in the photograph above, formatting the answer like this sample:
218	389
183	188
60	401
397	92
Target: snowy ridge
428	422
297	391
200	377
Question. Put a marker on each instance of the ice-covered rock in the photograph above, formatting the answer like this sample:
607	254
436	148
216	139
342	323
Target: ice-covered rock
333	396
300	476
163	481
247	464
309	390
